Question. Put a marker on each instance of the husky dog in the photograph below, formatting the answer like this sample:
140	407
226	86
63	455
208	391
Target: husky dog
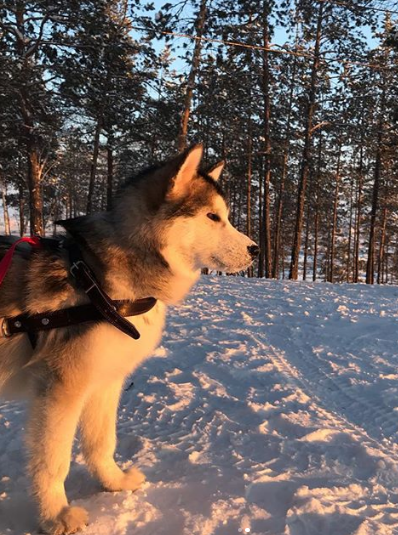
167	223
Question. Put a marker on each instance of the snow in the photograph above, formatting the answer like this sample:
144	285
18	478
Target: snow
270	409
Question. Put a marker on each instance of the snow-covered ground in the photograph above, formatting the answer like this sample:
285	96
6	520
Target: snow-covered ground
270	408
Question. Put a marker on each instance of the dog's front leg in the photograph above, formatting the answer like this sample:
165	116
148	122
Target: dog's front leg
98	431
52	425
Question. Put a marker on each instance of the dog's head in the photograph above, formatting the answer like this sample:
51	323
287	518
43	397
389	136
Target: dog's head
187	211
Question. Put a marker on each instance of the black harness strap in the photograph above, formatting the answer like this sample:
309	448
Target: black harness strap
86	280
101	308
45	321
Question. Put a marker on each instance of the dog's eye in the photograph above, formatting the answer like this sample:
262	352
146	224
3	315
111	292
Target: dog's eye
214	217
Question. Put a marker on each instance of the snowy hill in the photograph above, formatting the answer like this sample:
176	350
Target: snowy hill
270	408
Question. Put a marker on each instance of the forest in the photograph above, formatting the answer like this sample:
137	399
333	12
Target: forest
299	97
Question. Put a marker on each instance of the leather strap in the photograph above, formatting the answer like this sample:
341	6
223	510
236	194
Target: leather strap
45	321
102	307
86	280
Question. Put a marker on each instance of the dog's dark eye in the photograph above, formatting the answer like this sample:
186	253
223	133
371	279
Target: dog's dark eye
214	217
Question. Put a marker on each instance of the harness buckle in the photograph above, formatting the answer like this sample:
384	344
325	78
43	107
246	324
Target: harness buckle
5	333
74	267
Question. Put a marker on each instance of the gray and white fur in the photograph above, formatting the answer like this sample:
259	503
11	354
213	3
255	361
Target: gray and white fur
167	223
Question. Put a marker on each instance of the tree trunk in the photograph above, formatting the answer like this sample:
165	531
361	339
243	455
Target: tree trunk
266	245
278	215
234	203
317	181
316	229
7	227
306	241
34	185
305	166
279	207
35	168
93	167
200	23
55	214
375	194
358	216
109	182
380	260
385	261
260	272
239	221
328	251
334	218
21	206
249	187
70	202
348	265
27	104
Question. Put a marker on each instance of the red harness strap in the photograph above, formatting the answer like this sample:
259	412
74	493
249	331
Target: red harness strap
5	263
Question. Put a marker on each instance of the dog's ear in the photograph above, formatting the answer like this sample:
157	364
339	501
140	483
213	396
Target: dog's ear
215	171
65	223
71	225
188	169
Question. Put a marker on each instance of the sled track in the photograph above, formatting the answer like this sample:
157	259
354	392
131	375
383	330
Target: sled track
295	379
382	420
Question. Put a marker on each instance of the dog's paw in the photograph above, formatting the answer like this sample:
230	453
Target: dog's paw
70	520
132	479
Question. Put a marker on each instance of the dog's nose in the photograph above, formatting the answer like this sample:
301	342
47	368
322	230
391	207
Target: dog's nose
253	250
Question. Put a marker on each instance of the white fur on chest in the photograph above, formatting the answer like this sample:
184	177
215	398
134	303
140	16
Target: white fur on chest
114	354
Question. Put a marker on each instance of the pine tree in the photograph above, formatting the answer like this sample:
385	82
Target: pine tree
26	59
101	78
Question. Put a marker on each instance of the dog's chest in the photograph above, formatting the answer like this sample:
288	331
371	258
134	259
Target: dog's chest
115	354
